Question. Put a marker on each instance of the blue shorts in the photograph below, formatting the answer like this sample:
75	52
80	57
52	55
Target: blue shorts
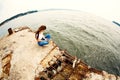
44	42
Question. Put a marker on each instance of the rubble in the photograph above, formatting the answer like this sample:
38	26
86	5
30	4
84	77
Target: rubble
22	59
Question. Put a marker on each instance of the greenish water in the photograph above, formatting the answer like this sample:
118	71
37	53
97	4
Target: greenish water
91	38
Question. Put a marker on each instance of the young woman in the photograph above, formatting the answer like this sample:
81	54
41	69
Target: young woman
41	39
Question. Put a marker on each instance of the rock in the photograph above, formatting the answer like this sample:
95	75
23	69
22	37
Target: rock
25	60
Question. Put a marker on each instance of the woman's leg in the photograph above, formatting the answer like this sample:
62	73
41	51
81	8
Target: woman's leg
47	36
42	43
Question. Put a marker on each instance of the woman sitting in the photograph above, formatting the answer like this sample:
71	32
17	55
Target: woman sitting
41	39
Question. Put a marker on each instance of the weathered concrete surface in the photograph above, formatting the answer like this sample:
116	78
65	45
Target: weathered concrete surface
22	59
26	54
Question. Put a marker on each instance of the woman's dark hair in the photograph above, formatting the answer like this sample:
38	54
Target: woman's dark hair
42	27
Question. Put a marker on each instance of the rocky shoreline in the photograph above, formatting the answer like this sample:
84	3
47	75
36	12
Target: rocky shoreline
22	59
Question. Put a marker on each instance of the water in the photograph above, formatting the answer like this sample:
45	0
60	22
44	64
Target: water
91	38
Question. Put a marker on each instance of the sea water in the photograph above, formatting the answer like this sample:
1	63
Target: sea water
92	39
